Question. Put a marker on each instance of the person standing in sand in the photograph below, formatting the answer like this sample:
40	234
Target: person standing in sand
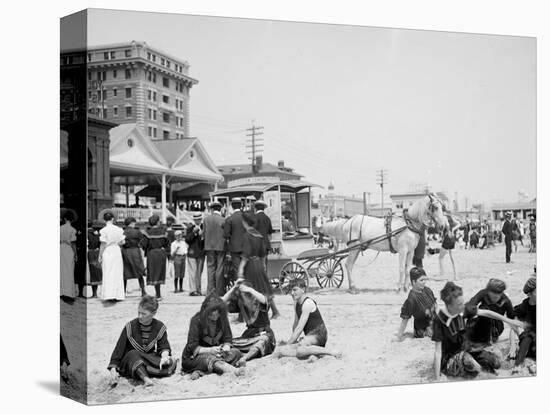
307	320
110	257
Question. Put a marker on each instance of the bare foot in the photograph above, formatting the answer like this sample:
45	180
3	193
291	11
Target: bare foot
239	372
312	358
148	382
241	362
195	376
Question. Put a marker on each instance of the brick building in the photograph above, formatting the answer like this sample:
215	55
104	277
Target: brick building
135	83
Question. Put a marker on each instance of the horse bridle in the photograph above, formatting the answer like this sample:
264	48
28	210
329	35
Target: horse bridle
433	206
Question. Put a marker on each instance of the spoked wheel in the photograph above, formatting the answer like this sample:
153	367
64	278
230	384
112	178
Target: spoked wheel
291	271
330	273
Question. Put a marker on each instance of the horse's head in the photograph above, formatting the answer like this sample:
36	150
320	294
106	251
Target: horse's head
435	211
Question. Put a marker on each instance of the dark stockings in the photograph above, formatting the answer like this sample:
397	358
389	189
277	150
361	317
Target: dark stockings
180	281
141	285
157	291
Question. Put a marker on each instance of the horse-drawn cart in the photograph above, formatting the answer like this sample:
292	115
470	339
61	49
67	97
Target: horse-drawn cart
292	252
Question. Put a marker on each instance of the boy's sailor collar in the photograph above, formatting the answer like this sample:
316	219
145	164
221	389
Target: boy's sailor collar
219	213
449	318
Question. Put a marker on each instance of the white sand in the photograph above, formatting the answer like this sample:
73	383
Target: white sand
362	326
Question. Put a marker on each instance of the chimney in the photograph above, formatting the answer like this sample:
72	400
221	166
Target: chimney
281	164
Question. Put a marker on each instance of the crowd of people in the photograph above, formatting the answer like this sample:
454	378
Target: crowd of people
463	332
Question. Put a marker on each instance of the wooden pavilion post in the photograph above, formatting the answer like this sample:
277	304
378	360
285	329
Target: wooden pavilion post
163	199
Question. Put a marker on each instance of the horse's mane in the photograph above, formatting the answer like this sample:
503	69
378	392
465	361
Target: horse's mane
418	210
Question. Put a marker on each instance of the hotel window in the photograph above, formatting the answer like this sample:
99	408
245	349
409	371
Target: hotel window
112	55
150	131
165	99
154	132
154	58
128	53
104	75
148	55
154	77
114	74
165	134
154	114
115	91
106	55
98	76
104	113
128	112
168	64
176	67
104	94
128	93
154	96
115	111
89	94
128	73
90	75
149	76
162	61
89	57
165	82
166	117
150	114
149	94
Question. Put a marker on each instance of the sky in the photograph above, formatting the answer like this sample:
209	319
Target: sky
453	111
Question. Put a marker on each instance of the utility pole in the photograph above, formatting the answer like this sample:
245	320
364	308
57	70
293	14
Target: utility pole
254	145
381	180
364	203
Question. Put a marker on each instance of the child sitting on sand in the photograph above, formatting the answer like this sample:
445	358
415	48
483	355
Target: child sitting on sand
143	350
526	311
452	357
420	304
307	319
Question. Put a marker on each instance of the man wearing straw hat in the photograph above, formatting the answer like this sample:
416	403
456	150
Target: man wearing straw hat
507	231
195	254
214	243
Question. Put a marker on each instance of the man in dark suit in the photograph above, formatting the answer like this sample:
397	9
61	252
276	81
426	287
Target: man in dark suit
263	225
234	233
195	253
507	231
214	241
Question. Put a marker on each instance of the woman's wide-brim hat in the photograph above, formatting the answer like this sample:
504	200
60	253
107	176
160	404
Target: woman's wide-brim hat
197	216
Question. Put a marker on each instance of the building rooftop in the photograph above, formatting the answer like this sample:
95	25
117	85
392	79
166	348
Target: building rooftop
266	167
172	149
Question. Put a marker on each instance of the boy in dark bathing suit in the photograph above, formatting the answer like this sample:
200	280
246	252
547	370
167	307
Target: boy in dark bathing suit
307	320
420	305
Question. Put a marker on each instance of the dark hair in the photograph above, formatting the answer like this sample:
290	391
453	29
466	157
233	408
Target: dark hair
212	303
530	285
69	215
450	292
260	207
496	285
217	207
170	220
249	218
154	219
297	282
129	220
108	216
416	273
149	303
236	204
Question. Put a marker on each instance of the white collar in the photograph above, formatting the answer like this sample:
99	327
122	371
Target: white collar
219	213
237	209
449	316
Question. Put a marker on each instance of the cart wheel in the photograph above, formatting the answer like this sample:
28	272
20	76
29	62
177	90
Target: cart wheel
330	273
291	271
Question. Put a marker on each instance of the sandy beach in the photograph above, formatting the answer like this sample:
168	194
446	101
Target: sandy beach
362	326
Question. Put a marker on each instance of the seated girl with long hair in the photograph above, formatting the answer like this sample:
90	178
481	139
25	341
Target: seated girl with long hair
209	339
258	339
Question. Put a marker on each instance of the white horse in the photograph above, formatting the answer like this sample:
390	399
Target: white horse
359	229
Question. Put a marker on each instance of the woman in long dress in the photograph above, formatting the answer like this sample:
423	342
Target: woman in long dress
132	256
67	249
252	267
154	243
111	238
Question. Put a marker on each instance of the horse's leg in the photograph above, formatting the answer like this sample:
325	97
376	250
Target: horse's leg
408	267
402	266
350	261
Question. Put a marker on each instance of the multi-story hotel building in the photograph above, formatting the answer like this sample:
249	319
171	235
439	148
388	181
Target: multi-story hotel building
135	83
